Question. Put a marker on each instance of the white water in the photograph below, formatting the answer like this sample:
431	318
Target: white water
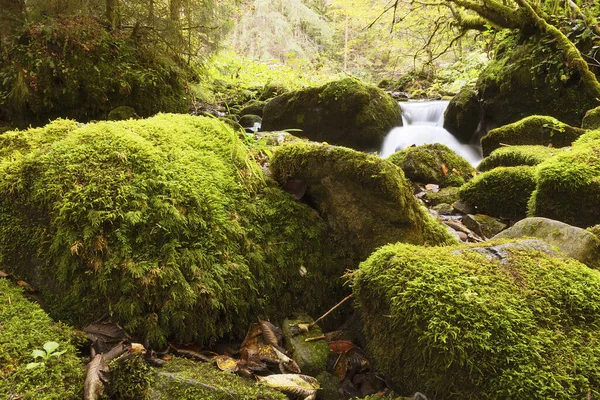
423	124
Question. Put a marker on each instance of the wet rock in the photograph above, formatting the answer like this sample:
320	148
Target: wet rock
464	207
463	115
345	112
483	225
572	241
249	120
444	209
311	356
446	195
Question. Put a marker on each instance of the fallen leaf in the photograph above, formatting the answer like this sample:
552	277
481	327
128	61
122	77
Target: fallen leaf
226	363
296	384
94	385
270	333
444	169
341	346
432	187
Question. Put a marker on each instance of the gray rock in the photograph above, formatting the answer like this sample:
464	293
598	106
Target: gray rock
483	225
501	252
575	242
310	356
464	207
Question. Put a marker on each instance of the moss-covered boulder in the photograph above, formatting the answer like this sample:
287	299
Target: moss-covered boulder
575	242
591	120
513	156
188	380
493	321
121	113
25	329
463	115
533	130
249	120
433	163
447	195
528	77
366	200
254	107
167	224
311	356
568	185
346	112
501	192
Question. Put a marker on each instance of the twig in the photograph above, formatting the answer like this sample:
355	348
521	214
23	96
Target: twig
331	310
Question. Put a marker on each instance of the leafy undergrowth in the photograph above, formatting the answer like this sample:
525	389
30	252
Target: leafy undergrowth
38	359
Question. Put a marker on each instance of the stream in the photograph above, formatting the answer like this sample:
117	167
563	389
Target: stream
423	123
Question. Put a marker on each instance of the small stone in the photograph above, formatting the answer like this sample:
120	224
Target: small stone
483	225
444	209
310	356
463	207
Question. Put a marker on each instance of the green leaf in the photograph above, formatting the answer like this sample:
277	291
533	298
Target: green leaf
34	365
39	353
50	347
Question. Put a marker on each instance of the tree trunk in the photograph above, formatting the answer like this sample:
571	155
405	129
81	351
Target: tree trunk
112	13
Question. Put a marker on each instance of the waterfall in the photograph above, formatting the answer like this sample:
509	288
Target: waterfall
423	124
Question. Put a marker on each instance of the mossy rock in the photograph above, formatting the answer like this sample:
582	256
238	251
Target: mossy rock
188	380
533	130
25	327
528	77
502	192
575	242
433	163
591	120
499	320
568	186
248	120
366	200
463	115
166	223
346	112
513	156
588	137
253	107
446	195
121	113
311	356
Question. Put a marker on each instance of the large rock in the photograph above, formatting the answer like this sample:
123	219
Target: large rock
433	163
25	328
591	120
529	78
463	115
347	113
366	200
167	224
568	184
513	156
575	242
495	320
501	192
533	130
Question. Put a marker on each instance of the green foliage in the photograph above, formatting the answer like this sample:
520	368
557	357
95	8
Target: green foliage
568	184
130	378
433	163
455	323
25	327
167	224
76	68
513	156
501	192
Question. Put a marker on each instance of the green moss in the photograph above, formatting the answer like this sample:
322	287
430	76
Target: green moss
588	137
24	327
595	230
568	186
366	200
345	112
254	107
425	164
455	324
534	130
130	378
513	156
591	120
167	224
501	192
446	195
187	380
311	356
463	115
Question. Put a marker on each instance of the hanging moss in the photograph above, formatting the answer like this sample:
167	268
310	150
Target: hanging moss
24	327
166	224
534	130
568	185
495	321
433	163
366	201
346	112
501	192
513	156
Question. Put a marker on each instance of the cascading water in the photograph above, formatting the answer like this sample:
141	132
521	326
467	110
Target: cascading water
423	124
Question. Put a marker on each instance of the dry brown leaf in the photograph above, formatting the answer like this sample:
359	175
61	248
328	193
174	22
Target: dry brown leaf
340	368
296	384
341	346
226	363
94	386
269	332
444	169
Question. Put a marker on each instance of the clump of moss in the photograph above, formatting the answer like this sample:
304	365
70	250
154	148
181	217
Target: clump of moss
346	112
501	192
166	223
24	327
534	130
513	156
588	137
591	120
188	380
130	378
366	200
433	163
487	323
568	186
463	115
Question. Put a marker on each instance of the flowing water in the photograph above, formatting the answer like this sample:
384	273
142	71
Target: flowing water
423	124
